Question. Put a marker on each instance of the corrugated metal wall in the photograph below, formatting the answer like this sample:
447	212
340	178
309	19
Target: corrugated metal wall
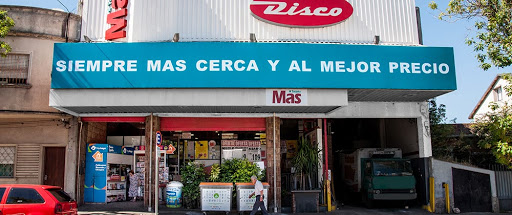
231	20
503	186
28	161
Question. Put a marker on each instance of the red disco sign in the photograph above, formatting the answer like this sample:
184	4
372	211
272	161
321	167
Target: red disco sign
302	13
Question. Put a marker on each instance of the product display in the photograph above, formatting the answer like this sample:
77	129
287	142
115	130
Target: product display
116	182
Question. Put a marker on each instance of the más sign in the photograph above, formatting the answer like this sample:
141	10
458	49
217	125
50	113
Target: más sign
286	97
117	20
302	13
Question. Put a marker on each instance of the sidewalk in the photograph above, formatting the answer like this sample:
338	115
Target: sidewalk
137	208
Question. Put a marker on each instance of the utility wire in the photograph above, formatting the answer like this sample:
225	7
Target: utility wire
64	6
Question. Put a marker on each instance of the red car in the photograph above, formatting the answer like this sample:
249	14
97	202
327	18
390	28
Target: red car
32	199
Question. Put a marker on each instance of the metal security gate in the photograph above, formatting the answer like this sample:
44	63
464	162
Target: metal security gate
503	186
471	191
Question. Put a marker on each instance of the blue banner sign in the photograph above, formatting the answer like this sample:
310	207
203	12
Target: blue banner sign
128	150
114	149
251	65
95	185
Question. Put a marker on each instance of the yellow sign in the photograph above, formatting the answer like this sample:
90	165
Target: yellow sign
201	149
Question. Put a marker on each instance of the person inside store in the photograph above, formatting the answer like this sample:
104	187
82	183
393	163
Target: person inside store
132	192
258	191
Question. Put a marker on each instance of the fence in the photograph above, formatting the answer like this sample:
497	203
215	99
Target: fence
503	186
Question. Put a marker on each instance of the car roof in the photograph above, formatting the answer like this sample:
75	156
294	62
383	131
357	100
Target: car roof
46	187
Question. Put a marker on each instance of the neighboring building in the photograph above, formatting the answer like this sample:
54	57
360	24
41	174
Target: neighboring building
495	93
37	142
241	78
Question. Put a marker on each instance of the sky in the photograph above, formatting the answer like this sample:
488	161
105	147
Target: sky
471	80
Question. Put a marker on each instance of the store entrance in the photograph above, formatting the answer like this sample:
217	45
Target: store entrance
208	148
109	151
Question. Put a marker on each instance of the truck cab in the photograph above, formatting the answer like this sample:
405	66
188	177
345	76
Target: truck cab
387	179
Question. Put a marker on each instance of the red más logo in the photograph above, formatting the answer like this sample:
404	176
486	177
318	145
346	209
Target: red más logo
302	13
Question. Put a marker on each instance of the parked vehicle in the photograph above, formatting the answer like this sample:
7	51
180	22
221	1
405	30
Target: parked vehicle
379	174
32	199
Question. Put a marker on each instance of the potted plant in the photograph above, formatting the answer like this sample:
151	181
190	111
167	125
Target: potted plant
305	163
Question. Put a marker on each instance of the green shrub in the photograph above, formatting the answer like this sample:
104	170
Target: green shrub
239	170
192	175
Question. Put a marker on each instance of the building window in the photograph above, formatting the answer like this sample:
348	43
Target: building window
14	69
498	94
7	155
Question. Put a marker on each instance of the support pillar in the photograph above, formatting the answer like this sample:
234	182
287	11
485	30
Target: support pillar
152	124
270	125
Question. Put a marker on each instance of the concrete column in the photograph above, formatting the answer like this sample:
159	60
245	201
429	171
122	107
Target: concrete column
270	161
424	139
149	186
71	158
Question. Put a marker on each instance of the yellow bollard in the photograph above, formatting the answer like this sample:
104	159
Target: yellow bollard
447	196
329	196
432	206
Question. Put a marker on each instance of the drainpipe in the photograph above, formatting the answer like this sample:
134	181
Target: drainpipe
275	180
79	163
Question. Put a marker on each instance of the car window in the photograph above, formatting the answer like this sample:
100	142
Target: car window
24	196
2	191
60	195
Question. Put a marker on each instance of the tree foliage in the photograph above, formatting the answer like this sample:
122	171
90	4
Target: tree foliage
493	40
6	23
439	131
454	142
495	130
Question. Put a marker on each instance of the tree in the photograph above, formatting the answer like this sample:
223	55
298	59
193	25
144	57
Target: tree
495	130
6	23
493	41
439	131
453	142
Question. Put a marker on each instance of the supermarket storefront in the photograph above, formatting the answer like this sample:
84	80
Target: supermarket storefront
214	82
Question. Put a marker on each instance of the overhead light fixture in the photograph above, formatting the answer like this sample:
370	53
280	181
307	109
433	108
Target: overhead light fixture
176	37
87	39
252	37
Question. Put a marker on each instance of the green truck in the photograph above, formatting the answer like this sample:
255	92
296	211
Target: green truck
379	174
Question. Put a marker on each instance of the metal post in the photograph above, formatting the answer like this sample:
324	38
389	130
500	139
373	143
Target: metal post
149	170
326	155
275	180
156	177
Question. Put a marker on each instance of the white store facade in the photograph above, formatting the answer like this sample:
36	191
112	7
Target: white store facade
355	72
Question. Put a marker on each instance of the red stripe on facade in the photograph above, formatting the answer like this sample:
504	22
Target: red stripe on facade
212	124
113	119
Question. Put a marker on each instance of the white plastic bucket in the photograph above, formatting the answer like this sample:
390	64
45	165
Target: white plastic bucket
173	191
